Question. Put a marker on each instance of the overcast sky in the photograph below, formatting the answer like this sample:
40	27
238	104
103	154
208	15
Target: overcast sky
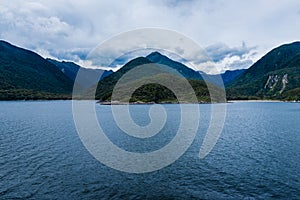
234	33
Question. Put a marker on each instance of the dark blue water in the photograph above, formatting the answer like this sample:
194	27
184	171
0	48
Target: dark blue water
256	157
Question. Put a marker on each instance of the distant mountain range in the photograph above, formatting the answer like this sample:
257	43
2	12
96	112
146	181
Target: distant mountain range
71	69
228	77
26	75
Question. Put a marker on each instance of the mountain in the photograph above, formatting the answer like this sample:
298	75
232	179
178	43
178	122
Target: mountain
71	69
26	75
187	72
106	85
228	77
153	92
275	76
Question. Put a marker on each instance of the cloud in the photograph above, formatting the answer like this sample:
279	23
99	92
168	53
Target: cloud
75	54
225	58
35	26
219	51
69	29
239	64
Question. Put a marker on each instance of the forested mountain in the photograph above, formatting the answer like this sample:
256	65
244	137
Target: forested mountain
155	92
26	75
275	76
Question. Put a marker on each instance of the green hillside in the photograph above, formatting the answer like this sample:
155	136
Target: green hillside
275	76
26	75
154	92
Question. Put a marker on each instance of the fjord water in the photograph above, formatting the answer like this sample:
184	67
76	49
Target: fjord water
256	157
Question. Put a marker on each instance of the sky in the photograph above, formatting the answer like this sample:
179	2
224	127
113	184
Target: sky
233	33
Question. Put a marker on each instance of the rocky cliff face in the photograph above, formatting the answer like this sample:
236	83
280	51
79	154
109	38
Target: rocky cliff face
274	82
284	83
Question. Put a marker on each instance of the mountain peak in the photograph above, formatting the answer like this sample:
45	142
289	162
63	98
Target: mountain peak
155	53
187	72
157	57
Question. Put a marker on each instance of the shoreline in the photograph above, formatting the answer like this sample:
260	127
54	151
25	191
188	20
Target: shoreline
145	103
148	103
258	101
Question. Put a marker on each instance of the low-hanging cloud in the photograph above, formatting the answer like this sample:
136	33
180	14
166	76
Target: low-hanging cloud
219	51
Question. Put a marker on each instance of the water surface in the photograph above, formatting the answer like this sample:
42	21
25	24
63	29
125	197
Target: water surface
256	157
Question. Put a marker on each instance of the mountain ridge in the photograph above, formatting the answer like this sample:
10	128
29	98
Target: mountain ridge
71	70
26	75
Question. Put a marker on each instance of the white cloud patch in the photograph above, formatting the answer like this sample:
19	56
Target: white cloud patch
230	58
